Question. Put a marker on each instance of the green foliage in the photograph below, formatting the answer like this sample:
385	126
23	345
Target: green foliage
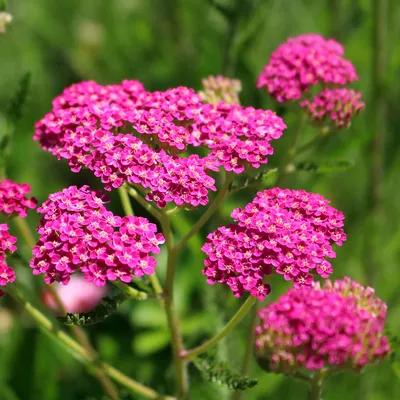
107	307
3	5
217	371
14	114
18	101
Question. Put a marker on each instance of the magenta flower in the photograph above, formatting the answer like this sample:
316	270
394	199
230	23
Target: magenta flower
13	200
302	62
334	106
287	231
7	246
124	134
340	325
79	296
77	233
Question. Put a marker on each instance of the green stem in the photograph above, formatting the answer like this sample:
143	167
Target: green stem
181	376
125	200
78	350
315	392
241	313
147	206
249	345
127	207
25	231
210	211
130	291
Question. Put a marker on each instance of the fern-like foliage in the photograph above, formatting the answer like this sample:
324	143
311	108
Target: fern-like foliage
108	306
217	371
261	180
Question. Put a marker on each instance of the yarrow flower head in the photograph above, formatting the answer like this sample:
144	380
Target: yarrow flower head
13	200
77	233
340	325
334	107
125	134
220	88
302	62
79	296
7	246
287	231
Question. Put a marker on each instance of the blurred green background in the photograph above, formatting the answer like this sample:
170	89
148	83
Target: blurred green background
166	43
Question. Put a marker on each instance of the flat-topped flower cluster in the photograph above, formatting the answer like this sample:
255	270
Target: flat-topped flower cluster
78	233
126	134
13	199
339	325
287	231
302	62
307	61
7	246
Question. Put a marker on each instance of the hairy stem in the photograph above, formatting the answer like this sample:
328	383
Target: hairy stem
78	350
78	332
315	392
241	313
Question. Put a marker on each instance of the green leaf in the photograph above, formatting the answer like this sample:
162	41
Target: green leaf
108	306
148	343
216	371
325	167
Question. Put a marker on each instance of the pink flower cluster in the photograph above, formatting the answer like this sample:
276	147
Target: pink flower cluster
125	134
302	62
79	296
79	233
335	106
220	88
13	200
7	246
291	231
340	326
